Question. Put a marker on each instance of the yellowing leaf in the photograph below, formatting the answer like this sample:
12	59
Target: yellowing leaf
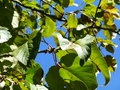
89	1
111	9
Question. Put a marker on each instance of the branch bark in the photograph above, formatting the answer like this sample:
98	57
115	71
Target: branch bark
40	11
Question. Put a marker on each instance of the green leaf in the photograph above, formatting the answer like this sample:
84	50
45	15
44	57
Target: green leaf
34	43
34	74
79	77
107	41
4	48
117	2
49	28
22	53
53	79
4	34
32	4
59	12
80	46
98	59
6	15
90	10
89	1
71	19
64	3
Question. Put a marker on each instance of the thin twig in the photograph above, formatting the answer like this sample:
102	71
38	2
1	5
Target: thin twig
97	9
53	7
40	11
55	60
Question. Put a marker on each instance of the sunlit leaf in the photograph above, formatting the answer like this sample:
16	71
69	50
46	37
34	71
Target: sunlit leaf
59	11
49	27
107	41
98	59
79	77
89	1
80	46
4	34
71	19
22	53
80	27
90	10
15	21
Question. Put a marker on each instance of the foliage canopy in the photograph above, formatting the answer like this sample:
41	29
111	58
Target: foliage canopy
25	24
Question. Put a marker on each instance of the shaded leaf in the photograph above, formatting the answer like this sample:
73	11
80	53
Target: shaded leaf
4	48
34	74
111	62
53	79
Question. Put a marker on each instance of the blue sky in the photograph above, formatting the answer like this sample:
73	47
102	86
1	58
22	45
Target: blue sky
46	60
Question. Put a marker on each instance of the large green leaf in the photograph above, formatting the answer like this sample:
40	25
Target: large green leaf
80	46
34	74
53	79
72	21
6	14
4	34
22	53
49	27
98	59
79	77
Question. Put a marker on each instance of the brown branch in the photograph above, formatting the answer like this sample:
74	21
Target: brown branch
112	30
40	11
97	9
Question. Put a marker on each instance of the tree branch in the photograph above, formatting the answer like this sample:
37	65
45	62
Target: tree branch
112	30
40	11
97	9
